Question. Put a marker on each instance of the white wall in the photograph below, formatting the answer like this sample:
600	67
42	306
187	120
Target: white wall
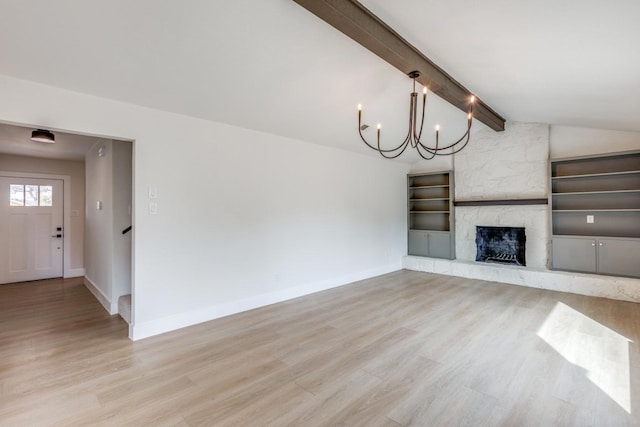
75	171
108	251
566	141
99	228
122	195
437	164
244	218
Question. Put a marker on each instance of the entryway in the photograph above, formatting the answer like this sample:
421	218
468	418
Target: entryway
31	229
63	207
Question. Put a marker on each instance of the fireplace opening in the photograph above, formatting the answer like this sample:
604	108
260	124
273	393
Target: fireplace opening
504	245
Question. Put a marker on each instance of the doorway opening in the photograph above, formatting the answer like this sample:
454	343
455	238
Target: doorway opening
80	191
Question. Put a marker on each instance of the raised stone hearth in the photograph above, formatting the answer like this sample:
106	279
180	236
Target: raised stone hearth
619	288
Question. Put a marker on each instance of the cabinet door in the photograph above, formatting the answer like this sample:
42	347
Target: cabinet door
574	254
620	257
440	245
418	243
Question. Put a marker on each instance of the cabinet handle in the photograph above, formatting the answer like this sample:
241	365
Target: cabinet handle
601	244
593	243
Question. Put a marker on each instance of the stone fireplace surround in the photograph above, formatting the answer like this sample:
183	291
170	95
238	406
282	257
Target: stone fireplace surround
512	165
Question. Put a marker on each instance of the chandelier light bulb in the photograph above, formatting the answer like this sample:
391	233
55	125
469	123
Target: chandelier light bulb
359	107
473	99
437	128
379	126
424	90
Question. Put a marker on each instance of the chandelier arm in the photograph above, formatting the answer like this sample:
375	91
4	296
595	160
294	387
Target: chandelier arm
420	148
412	117
404	146
466	135
439	153
458	149
372	146
408	138
380	150
424	104
432	151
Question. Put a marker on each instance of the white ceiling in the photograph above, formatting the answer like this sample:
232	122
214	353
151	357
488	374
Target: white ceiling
17	140
271	65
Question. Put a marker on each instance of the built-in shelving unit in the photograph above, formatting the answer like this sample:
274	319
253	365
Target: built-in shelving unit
430	214
595	214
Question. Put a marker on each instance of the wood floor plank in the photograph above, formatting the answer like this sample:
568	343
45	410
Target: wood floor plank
405	348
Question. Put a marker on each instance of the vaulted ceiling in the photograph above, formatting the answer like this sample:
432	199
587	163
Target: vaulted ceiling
273	66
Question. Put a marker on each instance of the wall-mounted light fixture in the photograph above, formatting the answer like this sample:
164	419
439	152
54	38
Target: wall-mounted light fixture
43	135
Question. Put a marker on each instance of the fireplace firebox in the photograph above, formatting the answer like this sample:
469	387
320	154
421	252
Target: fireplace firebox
504	245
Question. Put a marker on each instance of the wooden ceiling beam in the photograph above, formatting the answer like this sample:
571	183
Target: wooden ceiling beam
360	24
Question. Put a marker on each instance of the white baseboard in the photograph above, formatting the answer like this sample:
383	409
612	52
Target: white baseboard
101	297
74	272
140	330
612	287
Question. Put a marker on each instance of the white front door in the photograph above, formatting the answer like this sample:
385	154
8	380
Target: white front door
31	234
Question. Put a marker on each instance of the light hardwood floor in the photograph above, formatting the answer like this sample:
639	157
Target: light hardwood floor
406	348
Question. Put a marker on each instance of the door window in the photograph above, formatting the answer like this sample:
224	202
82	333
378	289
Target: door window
30	195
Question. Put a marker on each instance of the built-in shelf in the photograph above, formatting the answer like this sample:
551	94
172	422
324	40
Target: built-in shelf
580	193
589	175
430	219
596	210
428	186
501	202
595	214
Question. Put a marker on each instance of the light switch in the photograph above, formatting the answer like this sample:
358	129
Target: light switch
153	193
590	219
153	208
99	205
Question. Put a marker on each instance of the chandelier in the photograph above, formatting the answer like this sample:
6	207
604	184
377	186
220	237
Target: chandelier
414	135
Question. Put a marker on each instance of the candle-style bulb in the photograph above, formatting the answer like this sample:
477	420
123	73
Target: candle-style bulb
379	126
469	116
424	90
437	128
473	99
359	107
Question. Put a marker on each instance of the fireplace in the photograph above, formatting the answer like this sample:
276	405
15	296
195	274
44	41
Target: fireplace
503	245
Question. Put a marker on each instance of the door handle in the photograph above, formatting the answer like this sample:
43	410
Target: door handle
57	236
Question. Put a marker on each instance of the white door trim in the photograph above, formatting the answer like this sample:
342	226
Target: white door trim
67	271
